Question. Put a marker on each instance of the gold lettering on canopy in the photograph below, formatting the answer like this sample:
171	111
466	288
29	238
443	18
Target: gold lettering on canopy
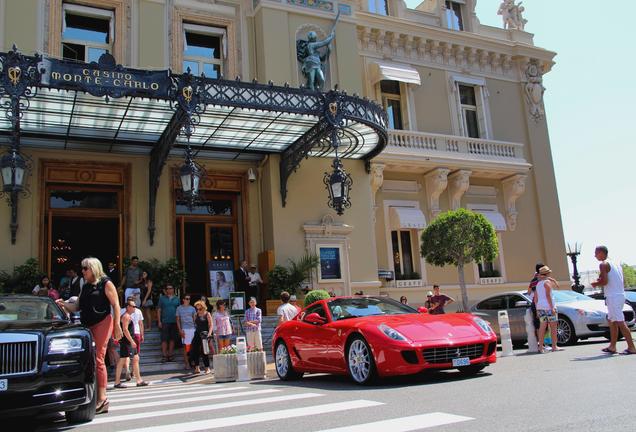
14	75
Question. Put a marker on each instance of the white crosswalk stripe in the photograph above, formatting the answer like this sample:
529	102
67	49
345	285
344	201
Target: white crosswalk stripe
146	391
405	424
193	399
217	423
184	393
202	408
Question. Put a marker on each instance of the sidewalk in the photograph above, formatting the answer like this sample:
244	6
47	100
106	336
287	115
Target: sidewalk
177	377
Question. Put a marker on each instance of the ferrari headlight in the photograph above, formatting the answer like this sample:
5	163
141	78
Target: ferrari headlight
483	325
391	333
62	345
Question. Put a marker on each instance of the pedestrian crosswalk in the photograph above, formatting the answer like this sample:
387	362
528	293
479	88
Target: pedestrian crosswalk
202	407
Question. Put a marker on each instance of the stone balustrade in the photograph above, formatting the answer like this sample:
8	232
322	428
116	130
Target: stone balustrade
430	144
491	281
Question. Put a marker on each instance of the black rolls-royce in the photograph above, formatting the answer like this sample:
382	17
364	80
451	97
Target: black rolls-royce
47	363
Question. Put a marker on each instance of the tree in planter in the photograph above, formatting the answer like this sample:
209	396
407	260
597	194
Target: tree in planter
290	278
315	295
459	237
23	278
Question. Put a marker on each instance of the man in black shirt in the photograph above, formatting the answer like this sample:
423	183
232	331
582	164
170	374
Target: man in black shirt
71	285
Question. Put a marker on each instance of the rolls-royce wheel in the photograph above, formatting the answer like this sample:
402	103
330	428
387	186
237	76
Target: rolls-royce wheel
284	368
360	361
83	413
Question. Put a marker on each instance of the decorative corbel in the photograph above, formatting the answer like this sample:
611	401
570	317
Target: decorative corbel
459	182
436	182
377	178
513	188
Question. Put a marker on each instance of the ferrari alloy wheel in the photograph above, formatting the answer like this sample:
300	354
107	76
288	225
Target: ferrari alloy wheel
284	367
360	361
565	332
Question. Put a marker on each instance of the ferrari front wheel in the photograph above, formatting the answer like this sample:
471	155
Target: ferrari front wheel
284	368
360	361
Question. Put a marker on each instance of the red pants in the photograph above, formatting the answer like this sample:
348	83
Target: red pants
101	333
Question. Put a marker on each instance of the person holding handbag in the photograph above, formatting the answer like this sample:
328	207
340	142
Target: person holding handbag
203	330
98	304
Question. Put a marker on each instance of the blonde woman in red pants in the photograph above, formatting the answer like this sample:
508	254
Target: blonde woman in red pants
97	298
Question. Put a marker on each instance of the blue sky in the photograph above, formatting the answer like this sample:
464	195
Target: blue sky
589	117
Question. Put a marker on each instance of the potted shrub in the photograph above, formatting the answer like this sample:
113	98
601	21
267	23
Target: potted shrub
315	295
225	365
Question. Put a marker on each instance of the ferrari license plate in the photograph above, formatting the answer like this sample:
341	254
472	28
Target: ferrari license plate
462	361
4	385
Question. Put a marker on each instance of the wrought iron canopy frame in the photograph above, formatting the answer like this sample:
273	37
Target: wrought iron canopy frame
159	112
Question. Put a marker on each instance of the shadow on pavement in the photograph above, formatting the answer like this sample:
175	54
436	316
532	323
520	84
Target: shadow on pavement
343	383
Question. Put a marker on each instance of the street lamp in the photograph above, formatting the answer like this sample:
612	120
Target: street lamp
190	174
338	184
13	167
573	254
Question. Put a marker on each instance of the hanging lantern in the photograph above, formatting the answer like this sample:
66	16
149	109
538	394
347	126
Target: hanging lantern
190	175
338	185
12	166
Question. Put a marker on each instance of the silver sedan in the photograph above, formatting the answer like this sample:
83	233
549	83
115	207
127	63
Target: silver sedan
580	316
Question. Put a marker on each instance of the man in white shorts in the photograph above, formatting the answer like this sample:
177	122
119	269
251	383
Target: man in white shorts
611	279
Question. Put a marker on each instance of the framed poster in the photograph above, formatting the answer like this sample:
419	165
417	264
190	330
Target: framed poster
330	269
221	279
237	303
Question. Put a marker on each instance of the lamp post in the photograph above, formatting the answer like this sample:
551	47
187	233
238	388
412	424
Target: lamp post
338	184
190	174
13	167
573	254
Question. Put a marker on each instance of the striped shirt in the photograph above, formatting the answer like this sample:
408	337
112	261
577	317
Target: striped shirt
253	315
222	324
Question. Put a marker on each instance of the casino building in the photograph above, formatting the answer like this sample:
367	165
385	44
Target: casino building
110	128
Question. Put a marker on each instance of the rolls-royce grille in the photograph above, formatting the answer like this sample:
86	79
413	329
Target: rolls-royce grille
18	358
447	354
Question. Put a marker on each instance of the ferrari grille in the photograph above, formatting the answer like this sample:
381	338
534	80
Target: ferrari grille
17	358
447	354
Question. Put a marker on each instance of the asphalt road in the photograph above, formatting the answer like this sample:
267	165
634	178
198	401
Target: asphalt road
579	389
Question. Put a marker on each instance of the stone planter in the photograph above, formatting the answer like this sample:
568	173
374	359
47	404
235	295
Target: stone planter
256	364
225	367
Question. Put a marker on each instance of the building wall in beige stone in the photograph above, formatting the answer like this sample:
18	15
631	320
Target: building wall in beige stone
22	25
152	34
307	203
431	102
274	48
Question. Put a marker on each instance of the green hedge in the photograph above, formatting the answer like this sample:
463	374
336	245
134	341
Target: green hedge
315	295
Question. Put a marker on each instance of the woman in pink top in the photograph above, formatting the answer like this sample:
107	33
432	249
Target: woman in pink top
222	324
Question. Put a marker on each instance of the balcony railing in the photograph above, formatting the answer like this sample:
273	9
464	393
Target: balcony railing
423	143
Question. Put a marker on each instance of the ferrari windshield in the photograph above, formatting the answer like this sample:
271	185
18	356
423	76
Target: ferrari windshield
366	306
29	309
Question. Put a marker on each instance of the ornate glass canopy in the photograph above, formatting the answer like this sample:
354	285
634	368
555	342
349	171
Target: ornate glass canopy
109	108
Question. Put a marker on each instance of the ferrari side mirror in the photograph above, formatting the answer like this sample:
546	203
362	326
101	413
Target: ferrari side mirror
314	318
